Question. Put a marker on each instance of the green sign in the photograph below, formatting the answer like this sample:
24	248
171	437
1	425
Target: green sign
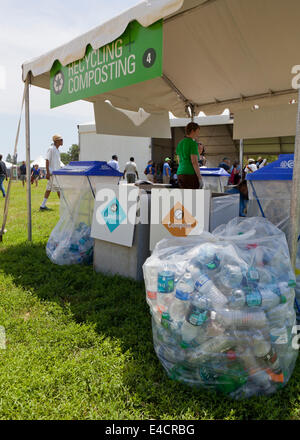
134	57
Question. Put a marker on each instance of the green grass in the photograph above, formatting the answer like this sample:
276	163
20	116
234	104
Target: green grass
79	344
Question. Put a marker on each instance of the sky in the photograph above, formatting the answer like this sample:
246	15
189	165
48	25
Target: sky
30	29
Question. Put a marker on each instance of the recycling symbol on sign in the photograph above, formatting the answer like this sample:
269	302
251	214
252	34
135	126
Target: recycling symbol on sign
58	83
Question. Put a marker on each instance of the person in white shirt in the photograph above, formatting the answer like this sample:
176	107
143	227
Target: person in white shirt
114	163
52	164
261	162
251	167
131	171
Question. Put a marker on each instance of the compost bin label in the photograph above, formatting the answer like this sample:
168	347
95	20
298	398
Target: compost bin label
179	222
113	215
134	57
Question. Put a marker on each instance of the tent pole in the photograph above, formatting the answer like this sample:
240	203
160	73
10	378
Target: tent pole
295	201
241	155
28	170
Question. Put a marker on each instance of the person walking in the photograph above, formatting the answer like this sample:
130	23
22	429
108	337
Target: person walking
251	167
167	171
35	175
150	171
188	173
130	171
23	173
3	175
52	164
114	163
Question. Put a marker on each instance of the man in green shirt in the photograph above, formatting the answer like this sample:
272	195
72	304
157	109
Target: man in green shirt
188	172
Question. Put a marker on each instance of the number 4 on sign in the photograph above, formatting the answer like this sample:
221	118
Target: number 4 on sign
149	59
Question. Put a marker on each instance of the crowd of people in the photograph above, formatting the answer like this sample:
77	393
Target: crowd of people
185	172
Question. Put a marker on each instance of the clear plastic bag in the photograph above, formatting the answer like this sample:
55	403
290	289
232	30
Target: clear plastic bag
222	308
70	241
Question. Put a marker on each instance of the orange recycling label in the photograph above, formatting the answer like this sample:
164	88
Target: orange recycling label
179	222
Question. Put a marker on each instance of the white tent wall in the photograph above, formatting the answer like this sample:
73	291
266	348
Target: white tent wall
95	146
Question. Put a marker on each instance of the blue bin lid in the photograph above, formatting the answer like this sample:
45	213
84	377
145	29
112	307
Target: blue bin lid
281	169
95	168
219	172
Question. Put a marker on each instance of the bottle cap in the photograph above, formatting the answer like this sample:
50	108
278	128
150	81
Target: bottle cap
292	283
231	355
283	299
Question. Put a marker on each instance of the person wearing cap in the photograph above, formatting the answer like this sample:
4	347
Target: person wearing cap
167	171
251	167
52	164
188	173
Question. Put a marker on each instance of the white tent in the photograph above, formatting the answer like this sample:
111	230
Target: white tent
8	165
41	162
217	54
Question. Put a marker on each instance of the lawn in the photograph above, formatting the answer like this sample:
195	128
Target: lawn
79	344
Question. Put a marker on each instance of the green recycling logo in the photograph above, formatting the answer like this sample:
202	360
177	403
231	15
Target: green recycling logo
58	83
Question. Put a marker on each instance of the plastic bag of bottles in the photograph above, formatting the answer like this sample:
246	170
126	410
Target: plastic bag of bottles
72	245
222	308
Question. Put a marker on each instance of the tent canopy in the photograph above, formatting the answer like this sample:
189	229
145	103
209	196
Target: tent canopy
217	54
41	162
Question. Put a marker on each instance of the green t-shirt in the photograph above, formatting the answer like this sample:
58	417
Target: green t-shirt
184	150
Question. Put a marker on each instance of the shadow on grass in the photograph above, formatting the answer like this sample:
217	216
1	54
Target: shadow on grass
118	308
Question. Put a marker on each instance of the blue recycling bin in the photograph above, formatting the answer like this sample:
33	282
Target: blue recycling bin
70	241
214	179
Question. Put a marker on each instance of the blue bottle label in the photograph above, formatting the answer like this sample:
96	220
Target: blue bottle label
197	317
254	299
166	282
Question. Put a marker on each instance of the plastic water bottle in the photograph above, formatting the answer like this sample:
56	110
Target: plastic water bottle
194	270
166	285
207	288
213	346
231	276
197	315
266	354
208	259
279	340
180	303
171	353
238	299
269	298
252	276
240	319
277	315
151	280
234	376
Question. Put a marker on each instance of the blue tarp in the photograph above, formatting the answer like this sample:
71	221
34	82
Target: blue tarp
281	169
94	168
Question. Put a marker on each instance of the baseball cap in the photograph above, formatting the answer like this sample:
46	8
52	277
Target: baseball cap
167	159
57	137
